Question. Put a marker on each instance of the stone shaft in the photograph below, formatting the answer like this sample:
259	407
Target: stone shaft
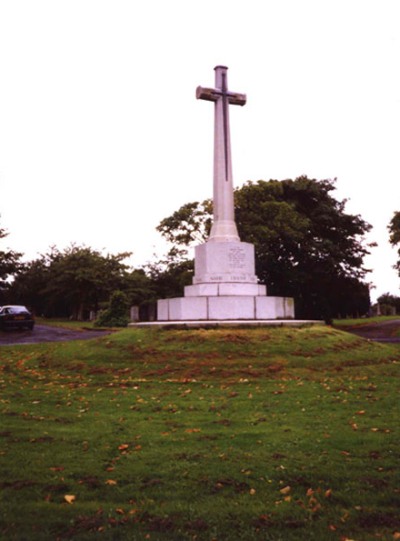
224	227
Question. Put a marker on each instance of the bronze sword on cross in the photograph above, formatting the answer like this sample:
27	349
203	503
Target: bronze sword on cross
234	98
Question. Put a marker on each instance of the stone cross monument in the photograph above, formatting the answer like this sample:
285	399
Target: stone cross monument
224	226
225	287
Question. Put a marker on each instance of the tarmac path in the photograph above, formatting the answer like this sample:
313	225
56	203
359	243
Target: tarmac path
384	331
46	333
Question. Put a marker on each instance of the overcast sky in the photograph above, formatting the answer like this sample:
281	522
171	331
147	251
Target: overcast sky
101	136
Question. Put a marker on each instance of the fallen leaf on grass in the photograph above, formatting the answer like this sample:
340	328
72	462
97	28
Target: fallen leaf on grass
69	498
123	447
285	490
192	430
111	482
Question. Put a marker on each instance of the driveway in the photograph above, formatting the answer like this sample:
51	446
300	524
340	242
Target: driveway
45	333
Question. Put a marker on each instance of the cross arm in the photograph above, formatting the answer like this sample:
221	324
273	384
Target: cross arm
211	94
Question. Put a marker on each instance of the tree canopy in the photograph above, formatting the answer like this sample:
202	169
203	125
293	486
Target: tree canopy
9	264
394	236
71	282
306	245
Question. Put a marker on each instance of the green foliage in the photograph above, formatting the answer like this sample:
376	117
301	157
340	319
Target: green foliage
191	223
306	245
389	303
116	315
170	275
9	265
252	434
70	283
394	232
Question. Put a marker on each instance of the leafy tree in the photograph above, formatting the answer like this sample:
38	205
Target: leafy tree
394	236
306	245
191	223
387	302
170	275
9	265
29	285
72	282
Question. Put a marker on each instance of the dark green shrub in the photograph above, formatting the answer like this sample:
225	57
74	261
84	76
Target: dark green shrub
116	315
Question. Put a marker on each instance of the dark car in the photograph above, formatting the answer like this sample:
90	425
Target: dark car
12	316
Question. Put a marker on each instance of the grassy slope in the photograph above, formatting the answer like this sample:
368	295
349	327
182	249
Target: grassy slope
219	434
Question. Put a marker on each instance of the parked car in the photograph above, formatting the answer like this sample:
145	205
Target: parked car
12	316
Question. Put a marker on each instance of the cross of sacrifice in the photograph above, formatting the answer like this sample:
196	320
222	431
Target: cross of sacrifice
224	227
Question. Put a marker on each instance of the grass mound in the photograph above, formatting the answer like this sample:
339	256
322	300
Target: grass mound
225	434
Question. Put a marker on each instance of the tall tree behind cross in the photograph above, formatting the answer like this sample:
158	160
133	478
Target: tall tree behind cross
224	227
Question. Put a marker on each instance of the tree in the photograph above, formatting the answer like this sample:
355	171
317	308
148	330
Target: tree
9	265
306	245
169	276
394	236
29	285
388	304
71	283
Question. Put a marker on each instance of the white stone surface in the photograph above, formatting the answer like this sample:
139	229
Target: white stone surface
225	308
224	226
222	308
274	308
253	290
201	290
163	310
217	262
188	308
224	289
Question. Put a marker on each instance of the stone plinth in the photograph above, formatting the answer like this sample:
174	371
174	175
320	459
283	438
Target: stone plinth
225	308
217	262
225	288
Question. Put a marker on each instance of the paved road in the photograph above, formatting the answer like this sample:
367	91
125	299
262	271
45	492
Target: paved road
384	331
45	333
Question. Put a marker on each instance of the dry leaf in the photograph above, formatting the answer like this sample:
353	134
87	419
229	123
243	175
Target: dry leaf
111	482
123	447
285	490
69	498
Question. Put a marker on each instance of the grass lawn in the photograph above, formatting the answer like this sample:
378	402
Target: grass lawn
219	434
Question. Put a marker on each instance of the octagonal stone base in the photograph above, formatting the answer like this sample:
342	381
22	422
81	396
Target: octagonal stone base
225	308
225	288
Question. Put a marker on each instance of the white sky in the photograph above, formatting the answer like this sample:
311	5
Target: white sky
101	136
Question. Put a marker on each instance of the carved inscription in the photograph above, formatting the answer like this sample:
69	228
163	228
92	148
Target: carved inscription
237	258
